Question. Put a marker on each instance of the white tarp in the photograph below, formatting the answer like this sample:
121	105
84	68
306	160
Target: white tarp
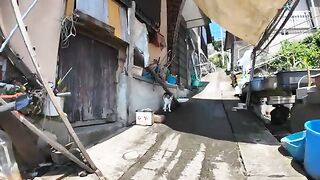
247	19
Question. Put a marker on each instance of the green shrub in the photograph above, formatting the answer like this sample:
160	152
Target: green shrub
216	59
298	55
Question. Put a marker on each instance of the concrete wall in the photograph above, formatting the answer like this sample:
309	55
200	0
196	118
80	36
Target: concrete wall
122	98
55	126
146	94
43	25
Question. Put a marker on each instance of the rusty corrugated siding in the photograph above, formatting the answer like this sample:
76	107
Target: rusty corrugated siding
173	10
181	63
92	80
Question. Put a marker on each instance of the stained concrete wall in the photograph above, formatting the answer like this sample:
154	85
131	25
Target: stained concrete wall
122	98
146	94
43	25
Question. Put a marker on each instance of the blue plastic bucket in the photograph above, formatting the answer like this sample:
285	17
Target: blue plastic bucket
295	145
171	79
312	150
195	83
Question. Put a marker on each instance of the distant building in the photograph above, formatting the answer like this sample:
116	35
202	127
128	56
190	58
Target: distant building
303	22
211	50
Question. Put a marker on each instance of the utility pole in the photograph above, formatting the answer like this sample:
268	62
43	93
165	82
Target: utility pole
222	54
315	14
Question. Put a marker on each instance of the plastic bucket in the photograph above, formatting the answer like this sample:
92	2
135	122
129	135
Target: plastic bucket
196	83
48	107
295	145
312	149
171	79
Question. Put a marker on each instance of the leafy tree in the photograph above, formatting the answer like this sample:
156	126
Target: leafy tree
298	55
217	60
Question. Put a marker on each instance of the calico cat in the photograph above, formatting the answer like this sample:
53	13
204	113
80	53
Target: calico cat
167	99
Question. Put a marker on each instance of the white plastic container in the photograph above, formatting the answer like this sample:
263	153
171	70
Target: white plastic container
48	107
8	165
144	117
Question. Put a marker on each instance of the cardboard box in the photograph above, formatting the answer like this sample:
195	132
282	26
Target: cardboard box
158	118
136	70
144	117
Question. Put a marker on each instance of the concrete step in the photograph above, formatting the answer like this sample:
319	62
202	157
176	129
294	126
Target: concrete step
91	135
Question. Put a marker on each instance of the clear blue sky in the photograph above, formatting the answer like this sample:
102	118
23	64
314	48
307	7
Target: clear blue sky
215	31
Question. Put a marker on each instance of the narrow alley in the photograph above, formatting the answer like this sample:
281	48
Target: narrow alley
202	139
161	89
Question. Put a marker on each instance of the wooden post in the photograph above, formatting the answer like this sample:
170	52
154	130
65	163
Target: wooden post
47	87
50	141
253	57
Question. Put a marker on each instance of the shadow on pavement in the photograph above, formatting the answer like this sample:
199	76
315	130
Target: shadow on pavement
215	119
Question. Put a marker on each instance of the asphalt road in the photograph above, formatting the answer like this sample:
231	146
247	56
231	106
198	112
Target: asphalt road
199	143
205	139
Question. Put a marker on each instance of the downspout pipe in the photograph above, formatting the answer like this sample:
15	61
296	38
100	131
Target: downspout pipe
253	57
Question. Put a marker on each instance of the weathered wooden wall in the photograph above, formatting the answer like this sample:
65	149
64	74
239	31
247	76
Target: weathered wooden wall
92	81
181	61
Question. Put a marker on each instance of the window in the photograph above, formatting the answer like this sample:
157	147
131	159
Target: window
95	8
